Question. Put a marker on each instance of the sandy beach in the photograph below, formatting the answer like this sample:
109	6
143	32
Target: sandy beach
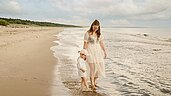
26	61
31	64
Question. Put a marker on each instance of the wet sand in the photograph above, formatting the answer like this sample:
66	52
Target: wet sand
26	61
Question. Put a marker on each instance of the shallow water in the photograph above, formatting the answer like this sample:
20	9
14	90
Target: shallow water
138	62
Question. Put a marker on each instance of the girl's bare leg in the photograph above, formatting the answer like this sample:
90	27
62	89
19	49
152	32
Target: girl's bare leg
85	82
82	83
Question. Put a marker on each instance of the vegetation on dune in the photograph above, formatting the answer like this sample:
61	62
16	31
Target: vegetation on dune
7	21
3	22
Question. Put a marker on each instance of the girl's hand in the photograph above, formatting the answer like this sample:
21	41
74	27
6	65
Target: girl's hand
82	70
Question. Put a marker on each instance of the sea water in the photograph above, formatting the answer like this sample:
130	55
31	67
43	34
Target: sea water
138	61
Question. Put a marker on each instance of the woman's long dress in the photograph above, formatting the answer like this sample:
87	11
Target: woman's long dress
96	55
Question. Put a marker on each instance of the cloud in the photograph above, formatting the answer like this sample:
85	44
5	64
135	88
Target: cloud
109	8
9	7
83	12
156	10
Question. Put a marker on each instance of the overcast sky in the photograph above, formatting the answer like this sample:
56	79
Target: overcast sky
142	13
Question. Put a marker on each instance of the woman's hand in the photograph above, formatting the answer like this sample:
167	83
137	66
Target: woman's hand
105	55
102	46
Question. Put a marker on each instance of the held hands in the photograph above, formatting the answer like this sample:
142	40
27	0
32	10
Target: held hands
82	70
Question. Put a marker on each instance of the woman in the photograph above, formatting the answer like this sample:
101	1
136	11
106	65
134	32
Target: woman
93	43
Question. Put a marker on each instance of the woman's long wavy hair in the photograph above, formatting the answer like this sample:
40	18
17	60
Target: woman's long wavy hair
96	22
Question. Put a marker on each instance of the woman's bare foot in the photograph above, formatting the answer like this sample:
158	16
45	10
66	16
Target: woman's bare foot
93	88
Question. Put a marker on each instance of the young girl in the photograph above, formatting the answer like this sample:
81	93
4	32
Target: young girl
82	69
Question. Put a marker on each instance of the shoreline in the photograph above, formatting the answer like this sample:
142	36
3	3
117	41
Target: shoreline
26	61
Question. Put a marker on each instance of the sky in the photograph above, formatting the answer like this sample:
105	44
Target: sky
116	13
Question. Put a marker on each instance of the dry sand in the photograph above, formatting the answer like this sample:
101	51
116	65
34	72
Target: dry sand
26	61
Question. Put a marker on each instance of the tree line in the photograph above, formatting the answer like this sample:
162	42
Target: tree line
8	21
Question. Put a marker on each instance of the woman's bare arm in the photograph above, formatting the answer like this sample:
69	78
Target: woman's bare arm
103	48
85	45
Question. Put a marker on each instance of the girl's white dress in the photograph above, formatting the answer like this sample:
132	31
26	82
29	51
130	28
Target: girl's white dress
96	55
81	64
